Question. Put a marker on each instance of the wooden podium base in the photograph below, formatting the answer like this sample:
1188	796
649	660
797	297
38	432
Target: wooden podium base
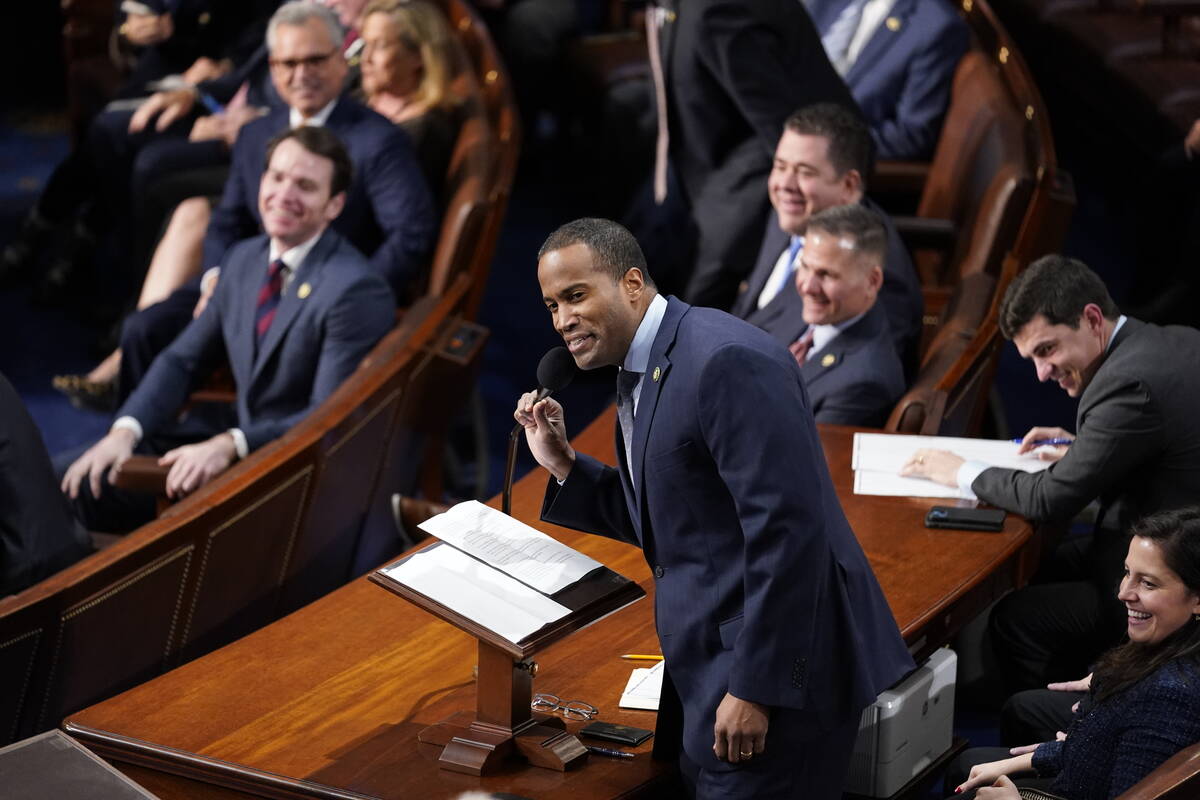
477	748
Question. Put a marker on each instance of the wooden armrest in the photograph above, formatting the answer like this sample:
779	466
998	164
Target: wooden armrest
926	232
142	474
899	177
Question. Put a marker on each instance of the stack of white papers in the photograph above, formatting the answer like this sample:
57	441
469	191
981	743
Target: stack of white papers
477	592
509	545
643	688
878	457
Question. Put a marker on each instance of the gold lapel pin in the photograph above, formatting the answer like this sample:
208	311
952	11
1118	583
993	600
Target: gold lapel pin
304	291
828	360
893	24
657	374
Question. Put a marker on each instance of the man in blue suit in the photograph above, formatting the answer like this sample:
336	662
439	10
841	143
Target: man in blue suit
898	58
821	161
389	213
843	343
774	630
295	312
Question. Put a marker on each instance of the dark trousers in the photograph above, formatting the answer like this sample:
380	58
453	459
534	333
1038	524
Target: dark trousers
1055	629
798	764
1036	715
148	332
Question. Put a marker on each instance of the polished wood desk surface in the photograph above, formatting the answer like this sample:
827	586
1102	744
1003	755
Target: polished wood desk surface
334	695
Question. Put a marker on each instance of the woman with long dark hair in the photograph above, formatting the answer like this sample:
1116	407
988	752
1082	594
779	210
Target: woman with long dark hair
1144	702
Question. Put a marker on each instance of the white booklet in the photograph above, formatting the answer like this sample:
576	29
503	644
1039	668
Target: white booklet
528	555
877	458
643	688
477	592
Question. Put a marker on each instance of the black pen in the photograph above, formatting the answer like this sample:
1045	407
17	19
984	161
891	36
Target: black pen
608	751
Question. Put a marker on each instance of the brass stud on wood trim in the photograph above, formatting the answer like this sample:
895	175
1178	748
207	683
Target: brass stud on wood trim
967	5
1003	55
491	76
1029	112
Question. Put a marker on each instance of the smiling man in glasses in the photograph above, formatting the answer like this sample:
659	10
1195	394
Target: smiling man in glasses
389	214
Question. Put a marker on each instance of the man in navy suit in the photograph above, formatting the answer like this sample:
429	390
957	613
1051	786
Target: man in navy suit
898	58
774	630
844	346
295	312
389	213
821	161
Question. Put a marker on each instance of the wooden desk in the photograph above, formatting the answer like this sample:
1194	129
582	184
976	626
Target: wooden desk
328	701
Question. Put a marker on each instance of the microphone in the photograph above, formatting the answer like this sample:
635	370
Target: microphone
554	373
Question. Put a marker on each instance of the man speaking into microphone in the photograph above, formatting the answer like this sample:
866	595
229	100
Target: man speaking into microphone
774	631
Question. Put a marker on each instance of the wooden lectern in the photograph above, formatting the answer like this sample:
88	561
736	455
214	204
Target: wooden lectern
504	724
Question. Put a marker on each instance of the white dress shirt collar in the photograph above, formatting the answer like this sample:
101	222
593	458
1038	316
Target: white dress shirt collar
637	358
317	120
824	334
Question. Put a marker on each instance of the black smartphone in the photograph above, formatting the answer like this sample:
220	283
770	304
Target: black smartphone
965	519
622	734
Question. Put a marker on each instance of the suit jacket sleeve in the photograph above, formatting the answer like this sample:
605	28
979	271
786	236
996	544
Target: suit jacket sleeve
768	456
403	208
231	219
859	403
359	319
913	130
176	371
1119	432
755	65
591	500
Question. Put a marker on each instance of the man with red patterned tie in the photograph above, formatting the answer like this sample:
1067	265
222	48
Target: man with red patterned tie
295	311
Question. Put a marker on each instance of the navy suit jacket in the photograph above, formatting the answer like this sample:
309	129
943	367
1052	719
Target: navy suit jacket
902	77
332	313
900	296
389	211
857	378
761	589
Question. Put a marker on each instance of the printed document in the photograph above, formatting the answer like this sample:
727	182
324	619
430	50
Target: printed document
477	592
878	457
526	554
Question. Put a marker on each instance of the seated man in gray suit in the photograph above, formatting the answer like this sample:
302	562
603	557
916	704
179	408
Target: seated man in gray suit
295	311
843	343
821	161
1136	449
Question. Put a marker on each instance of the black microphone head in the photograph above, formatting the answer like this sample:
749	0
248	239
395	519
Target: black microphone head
556	369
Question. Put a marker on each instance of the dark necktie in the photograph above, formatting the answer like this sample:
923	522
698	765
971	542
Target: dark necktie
268	298
626	381
801	346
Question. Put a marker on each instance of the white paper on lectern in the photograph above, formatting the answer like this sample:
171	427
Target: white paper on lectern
478	592
643	688
507	544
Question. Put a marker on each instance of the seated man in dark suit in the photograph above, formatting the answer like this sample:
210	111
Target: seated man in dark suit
821	161
389	213
295	312
843	344
38	535
1136	450
898	58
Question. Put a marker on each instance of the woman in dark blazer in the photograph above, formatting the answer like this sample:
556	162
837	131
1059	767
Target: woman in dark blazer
1144	701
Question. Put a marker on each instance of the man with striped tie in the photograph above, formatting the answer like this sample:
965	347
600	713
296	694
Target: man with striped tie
295	311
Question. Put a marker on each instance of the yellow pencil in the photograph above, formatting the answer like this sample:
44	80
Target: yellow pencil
640	657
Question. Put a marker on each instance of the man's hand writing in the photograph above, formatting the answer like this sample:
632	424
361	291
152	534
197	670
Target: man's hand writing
1047	452
740	732
939	466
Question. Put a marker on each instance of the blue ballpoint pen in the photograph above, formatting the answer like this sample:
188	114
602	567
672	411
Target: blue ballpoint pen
1040	442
